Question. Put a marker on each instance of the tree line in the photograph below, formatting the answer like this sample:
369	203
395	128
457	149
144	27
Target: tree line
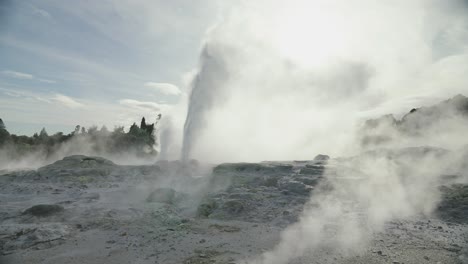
140	140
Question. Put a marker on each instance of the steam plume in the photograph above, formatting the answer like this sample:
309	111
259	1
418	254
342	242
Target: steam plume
205	93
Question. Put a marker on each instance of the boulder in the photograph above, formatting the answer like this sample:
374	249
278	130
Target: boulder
207	208
321	157
163	195
42	210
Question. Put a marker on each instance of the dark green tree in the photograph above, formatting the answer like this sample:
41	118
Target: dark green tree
104	130
43	133
4	137
143	123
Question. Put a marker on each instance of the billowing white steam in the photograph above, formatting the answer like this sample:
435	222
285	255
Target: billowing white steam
205	94
284	80
287	80
356	200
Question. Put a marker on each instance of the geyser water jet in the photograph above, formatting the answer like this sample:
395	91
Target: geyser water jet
206	85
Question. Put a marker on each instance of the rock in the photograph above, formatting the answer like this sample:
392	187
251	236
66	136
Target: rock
77	168
270	182
454	204
42	210
233	206
308	180
252	168
295	187
91	196
463	257
202	257
312	170
241	196
39	236
225	228
321	157
163	195
206	209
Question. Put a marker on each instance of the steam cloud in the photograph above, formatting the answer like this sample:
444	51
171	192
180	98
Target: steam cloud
359	197
274	77
212	76
285	81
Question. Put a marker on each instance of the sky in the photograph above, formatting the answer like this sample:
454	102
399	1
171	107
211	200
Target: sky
65	63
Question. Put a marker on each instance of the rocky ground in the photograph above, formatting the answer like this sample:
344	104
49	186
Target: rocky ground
90	210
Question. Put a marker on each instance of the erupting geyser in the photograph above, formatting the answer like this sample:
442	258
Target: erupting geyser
205	89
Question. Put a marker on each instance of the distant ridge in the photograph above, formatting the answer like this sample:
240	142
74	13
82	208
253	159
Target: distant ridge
415	123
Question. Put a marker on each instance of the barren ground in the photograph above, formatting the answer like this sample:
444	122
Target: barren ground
94	211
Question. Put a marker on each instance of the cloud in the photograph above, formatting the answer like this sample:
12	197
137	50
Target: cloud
41	12
25	76
18	75
134	110
89	66
46	80
47	98
66	101
140	105
30	96
164	88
